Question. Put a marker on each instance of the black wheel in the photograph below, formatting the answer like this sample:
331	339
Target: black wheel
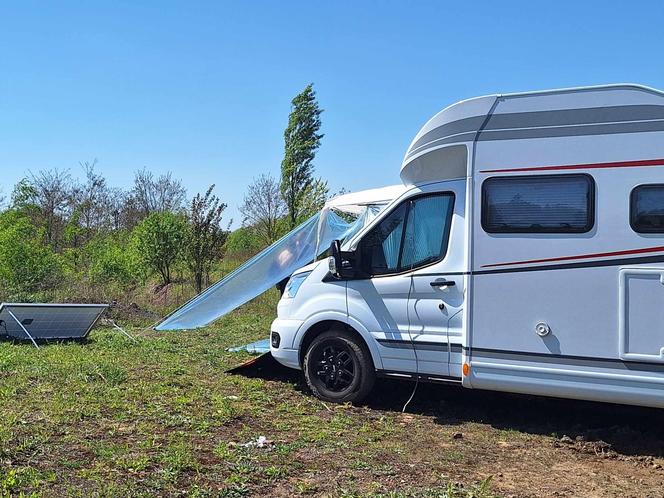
338	367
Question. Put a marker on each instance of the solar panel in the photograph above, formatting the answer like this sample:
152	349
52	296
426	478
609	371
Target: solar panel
48	321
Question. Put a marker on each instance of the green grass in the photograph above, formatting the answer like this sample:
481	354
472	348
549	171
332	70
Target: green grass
111	417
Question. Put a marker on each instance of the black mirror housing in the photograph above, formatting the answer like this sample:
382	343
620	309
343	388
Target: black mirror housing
340	262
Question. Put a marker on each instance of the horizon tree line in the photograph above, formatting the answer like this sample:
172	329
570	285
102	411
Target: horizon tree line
59	228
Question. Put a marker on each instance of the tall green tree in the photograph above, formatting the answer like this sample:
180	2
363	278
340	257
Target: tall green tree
301	140
158	241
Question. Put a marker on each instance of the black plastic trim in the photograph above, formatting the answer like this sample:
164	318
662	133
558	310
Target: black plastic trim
430	345
392	374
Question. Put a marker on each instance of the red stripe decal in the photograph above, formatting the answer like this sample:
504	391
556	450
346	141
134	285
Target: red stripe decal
581	256
619	164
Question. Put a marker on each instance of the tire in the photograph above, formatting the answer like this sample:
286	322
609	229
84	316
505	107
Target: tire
338	367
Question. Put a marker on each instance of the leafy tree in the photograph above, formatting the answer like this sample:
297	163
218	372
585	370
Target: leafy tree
263	207
148	195
73	232
73	236
301	140
26	264
205	236
23	195
158	241
314	198
243	243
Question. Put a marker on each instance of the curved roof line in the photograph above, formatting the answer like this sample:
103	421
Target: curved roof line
588	88
461	121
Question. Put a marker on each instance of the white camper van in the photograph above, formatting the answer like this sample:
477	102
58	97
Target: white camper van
525	254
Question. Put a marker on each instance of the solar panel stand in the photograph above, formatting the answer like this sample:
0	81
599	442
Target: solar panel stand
116	326
24	329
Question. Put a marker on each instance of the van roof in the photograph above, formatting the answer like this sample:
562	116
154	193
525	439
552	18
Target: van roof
539	114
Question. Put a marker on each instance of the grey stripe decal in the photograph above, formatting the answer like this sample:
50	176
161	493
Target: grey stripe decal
563	131
547	124
452	139
449	129
559	359
574	131
568	117
572	266
421	345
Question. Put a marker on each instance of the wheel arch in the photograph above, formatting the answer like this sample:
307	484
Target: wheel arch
316	328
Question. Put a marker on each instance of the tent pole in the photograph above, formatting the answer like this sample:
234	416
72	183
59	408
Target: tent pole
24	329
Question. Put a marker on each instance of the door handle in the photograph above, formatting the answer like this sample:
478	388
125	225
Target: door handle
442	283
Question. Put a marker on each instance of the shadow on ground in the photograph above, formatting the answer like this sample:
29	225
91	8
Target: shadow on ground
626	430
45	342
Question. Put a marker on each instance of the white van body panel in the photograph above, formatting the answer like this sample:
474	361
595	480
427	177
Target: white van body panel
570	282
595	296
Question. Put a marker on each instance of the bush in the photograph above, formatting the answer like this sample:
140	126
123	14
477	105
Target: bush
113	259
27	266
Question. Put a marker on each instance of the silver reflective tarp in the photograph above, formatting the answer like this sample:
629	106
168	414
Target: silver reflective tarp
258	347
277	262
296	249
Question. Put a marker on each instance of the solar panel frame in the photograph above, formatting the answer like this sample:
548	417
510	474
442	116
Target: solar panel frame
49	321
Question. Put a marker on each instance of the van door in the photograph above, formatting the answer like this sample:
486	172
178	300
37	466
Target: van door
434	248
380	303
404	253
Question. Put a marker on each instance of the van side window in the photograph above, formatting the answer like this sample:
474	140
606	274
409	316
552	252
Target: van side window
427	230
381	247
538	204
415	234
646	214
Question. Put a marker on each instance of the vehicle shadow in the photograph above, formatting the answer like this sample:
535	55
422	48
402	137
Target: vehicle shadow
594	427
598	427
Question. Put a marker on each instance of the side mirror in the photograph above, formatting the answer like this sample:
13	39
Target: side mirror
334	261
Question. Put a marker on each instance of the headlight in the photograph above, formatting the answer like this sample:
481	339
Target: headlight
294	284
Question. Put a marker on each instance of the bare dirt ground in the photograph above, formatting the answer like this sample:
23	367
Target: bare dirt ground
532	446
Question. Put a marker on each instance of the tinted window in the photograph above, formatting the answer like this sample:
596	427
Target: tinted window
414	234
647	209
538	204
427	230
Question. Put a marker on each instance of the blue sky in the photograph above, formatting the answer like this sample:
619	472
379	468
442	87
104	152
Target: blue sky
203	89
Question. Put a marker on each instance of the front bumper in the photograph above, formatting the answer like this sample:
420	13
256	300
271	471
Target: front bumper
287	330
